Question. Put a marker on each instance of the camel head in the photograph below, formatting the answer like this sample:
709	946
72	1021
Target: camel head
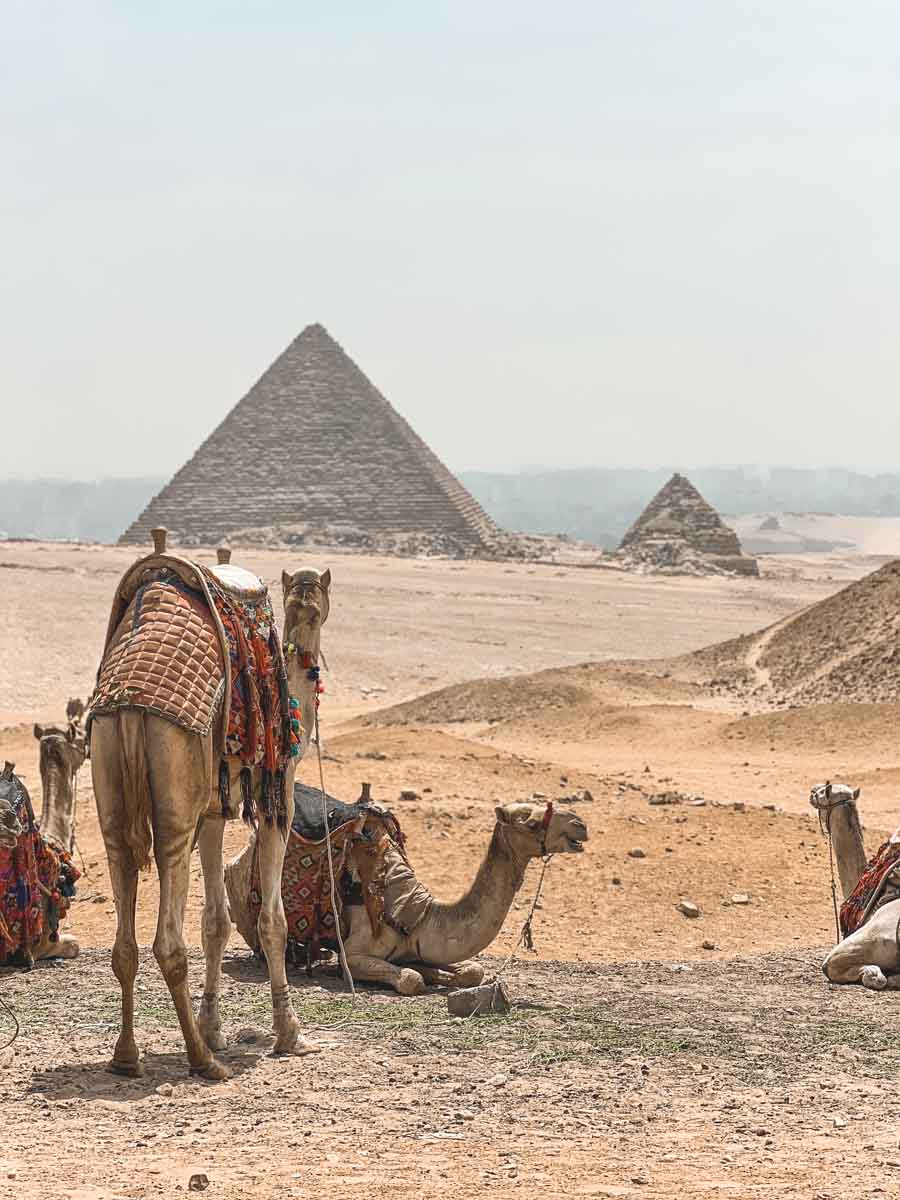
534	830
61	749
307	600
75	710
832	795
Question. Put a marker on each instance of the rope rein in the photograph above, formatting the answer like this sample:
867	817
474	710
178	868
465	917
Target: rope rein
345	967
526	935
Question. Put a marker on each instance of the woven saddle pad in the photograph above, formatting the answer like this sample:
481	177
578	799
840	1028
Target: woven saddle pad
164	657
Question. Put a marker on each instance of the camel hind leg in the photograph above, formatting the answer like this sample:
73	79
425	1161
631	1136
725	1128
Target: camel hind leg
180	789
457	975
407	981
215	928
110	797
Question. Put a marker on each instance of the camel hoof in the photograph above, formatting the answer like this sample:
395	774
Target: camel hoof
132	1070
215	1072
298	1049
410	982
872	977
469	977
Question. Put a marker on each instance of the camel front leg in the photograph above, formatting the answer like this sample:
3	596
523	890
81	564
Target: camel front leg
405	980
272	930
215	928
457	975
65	947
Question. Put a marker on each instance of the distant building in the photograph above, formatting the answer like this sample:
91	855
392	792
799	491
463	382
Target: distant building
314	452
679	532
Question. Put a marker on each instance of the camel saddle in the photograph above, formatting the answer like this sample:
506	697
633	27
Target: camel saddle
166	650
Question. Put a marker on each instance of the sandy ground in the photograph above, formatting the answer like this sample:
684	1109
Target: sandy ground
638	1061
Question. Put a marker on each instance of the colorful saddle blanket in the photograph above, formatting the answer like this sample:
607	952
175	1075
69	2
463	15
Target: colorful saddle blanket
361	836
199	647
872	890
30	872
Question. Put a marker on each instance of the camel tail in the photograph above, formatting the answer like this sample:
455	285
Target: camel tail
136	779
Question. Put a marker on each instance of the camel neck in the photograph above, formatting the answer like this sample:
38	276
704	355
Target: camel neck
466	927
849	849
58	806
302	664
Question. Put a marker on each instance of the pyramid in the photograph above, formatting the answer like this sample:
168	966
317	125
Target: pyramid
679	530
314	451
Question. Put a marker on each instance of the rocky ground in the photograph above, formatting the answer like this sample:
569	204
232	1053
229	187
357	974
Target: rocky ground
648	1053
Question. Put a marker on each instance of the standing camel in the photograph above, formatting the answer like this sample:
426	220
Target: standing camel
869	953
156	789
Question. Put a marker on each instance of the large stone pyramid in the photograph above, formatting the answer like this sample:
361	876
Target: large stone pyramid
680	532
314	451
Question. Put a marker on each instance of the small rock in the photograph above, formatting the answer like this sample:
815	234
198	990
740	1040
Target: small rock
708	945
665	798
250	1034
739	806
637	852
99	899
616	881
409	794
696	802
165	1089
840	1123
497	1081
740	898
642	1178
688	909
198	1182
478	1001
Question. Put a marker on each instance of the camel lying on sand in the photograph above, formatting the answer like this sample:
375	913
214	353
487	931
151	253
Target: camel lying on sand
870	955
62	752
444	937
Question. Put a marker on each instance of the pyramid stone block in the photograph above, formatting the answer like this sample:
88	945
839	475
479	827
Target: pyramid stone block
314	451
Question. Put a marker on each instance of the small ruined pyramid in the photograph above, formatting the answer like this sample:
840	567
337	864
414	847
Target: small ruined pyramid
681	533
315	452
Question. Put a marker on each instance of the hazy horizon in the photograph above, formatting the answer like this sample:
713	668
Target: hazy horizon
602	235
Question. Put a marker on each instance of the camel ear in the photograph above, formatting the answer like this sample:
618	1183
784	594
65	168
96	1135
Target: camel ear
325	579
286	581
71	732
827	791
503	817
38	732
856	792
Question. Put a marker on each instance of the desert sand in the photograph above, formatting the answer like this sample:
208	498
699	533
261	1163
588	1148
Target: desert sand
650	1054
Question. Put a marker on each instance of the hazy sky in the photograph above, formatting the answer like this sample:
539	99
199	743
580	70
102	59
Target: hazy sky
629	233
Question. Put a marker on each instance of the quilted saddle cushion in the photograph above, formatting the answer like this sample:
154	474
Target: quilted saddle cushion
165	658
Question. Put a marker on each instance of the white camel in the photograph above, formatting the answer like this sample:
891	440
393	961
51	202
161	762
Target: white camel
870	955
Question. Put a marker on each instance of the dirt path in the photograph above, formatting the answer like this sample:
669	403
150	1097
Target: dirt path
746	1078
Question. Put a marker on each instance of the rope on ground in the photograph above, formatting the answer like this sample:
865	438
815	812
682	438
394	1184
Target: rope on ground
345	967
15	1020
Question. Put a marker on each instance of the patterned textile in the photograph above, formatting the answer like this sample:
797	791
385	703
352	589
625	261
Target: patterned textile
173	624
31	872
306	888
263	720
164	658
863	900
368	859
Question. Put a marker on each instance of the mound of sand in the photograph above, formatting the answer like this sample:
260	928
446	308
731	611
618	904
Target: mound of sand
843	649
